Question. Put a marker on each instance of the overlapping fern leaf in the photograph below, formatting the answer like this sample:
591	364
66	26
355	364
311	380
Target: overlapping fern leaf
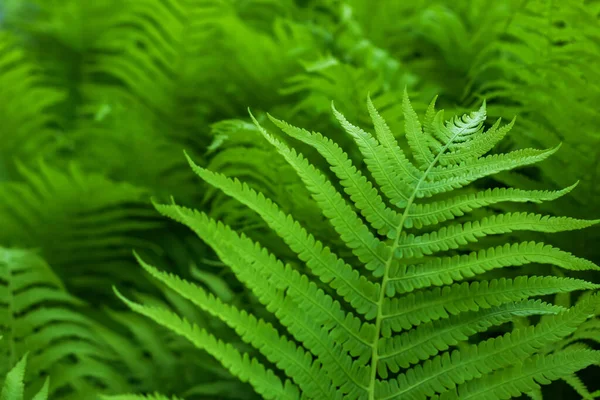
406	317
240	152
44	326
85	224
68	352
155	358
27	110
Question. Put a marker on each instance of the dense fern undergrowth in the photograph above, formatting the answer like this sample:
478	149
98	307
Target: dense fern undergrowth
299	199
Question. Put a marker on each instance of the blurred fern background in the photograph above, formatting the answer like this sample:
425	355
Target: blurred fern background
98	100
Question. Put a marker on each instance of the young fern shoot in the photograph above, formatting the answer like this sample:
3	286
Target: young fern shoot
403	318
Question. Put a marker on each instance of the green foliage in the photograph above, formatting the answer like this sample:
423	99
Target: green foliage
98	99
401	322
41	319
84	352
86	224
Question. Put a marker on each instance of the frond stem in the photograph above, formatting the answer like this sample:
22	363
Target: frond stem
386	273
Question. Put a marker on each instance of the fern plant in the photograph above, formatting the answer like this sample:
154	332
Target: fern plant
406	317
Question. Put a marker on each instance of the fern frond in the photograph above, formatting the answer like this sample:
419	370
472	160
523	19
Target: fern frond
40	318
91	223
409	329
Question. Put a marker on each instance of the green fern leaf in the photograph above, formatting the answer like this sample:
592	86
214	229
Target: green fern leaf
447	270
436	212
393	320
414	134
